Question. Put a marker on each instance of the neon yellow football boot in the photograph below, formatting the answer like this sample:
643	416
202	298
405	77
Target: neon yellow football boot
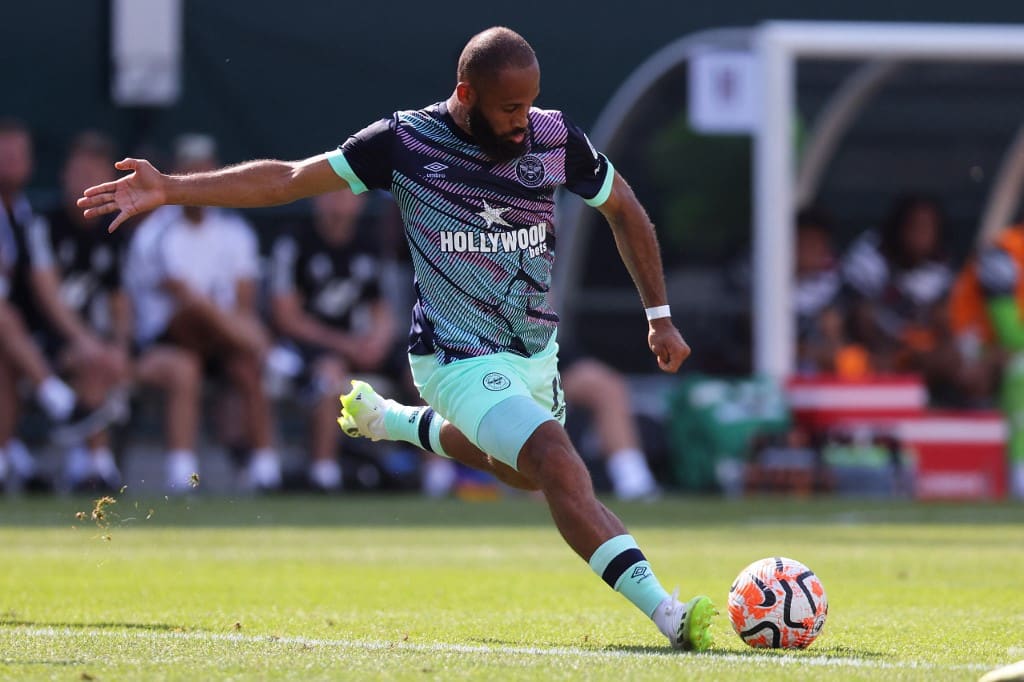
362	412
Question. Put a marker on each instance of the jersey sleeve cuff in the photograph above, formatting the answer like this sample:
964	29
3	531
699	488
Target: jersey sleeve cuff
606	187
341	166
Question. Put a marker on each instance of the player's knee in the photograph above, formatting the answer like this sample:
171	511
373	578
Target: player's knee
552	463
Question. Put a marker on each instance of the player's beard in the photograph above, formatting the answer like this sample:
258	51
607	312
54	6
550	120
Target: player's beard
497	147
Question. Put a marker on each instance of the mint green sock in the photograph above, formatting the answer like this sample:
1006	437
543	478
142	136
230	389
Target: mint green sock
416	424
622	565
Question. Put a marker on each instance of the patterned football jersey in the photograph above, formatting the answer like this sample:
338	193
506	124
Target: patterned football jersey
481	233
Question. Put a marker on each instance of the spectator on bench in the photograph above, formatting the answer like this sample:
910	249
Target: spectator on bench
192	275
84	326
899	280
823	345
19	355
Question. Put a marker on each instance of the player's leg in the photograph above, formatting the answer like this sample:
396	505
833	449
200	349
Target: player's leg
488	397
178	373
366	414
551	464
461	449
546	455
602	392
548	459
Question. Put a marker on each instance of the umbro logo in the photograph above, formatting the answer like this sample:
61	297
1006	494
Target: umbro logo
435	169
639	572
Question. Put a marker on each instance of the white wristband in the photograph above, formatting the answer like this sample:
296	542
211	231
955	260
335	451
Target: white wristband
657	312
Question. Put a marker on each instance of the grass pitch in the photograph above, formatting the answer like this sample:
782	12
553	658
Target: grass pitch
401	588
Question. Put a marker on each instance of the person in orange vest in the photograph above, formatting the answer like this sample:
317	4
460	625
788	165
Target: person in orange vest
987	316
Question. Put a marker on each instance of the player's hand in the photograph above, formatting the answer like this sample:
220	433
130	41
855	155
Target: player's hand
667	344
141	190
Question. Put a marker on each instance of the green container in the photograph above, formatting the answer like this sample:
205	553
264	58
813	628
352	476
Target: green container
712	423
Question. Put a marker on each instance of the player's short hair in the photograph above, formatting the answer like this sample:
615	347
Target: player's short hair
490	51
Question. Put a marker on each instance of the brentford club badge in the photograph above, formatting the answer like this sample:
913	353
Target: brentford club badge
530	170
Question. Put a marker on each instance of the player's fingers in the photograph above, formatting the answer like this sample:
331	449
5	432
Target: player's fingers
669	362
684	353
97	211
95	200
127	164
670	359
665	362
121	217
105	188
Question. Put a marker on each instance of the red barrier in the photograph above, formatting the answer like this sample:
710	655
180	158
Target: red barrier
959	454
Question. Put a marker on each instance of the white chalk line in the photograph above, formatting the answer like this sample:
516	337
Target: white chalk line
483	649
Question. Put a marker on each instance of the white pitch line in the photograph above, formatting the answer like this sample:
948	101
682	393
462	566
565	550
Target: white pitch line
441	647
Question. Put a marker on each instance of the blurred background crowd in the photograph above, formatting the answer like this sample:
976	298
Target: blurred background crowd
213	342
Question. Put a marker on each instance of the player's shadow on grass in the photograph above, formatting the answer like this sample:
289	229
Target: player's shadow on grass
104	625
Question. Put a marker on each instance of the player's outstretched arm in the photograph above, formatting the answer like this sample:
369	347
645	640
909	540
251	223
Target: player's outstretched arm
638	246
247	185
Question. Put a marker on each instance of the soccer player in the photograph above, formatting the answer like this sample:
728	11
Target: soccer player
474	177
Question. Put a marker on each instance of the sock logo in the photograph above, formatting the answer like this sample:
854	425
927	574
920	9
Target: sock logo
414	416
639	572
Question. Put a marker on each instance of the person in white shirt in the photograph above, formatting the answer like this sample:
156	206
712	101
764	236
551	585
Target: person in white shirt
192	275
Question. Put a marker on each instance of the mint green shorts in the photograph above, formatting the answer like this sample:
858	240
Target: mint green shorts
497	401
